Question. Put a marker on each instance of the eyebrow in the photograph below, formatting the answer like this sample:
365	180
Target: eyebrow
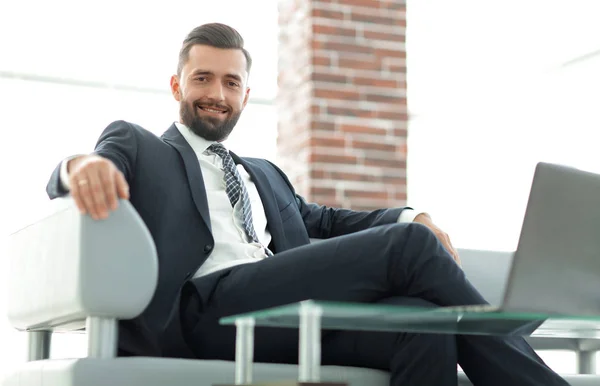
205	72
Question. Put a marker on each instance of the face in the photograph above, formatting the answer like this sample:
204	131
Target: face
212	91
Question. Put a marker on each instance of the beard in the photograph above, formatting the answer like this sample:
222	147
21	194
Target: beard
209	128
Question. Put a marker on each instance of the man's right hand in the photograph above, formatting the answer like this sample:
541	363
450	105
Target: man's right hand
96	185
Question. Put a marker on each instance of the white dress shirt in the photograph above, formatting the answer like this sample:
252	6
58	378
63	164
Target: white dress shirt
231	244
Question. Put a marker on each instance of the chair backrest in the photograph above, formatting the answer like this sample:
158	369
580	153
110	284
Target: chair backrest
67	267
488	271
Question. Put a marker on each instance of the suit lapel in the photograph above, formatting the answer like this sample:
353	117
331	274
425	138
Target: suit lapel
192	168
269	202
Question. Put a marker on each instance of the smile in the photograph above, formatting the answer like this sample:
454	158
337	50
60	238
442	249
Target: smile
212	110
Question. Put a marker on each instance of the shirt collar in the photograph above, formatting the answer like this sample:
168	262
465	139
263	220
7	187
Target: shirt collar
198	144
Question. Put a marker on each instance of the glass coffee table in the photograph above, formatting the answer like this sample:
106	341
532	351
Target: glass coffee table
311	316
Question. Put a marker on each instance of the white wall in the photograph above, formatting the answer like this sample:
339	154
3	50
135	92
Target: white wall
490	97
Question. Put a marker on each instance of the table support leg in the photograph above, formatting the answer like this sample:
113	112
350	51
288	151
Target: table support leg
310	343
586	362
244	351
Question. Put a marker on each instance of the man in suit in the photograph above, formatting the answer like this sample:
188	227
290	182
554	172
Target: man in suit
233	236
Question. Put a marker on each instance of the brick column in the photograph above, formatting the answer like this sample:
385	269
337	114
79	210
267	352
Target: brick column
342	100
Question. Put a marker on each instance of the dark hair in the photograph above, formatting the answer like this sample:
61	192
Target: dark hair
215	35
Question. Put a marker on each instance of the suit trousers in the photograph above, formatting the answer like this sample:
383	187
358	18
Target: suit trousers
400	264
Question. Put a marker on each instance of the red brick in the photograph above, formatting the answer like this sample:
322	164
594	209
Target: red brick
394	180
332	158
321	61
347	47
400	133
380	20
383	146
327	14
385	98
403	149
366	194
393	163
350	112
390	37
336	94
392	115
362	129
397	68
323	191
364	81
342	176
327	142
322	126
370	206
395	5
357	64
320	29
400	196
386	53
331	78
317	174
361	3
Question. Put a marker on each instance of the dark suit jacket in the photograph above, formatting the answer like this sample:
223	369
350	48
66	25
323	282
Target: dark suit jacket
167	189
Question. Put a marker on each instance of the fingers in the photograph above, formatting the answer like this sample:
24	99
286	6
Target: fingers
122	186
453	252
108	183
81	192
442	236
96	188
76	194
445	240
99	207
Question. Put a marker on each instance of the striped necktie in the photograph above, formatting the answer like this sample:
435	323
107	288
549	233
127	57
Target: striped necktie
236	190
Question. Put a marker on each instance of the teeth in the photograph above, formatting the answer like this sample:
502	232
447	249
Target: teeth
211	110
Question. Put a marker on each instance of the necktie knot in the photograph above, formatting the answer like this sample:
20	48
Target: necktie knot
219	150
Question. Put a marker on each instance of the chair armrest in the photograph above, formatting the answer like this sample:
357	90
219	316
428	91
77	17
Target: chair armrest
67	267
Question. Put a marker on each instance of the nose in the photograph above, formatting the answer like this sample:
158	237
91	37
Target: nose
215	92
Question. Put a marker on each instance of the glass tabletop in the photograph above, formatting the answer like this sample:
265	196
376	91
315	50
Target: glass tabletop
377	317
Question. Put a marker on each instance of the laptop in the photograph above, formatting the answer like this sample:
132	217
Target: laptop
556	267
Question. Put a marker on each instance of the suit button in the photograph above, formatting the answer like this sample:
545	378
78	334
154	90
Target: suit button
208	248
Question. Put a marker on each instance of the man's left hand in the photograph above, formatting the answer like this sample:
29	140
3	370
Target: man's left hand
425	219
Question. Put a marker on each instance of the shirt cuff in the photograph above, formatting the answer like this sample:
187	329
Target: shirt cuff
408	215
64	174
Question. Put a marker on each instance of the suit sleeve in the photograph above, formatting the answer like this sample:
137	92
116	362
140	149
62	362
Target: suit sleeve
117	143
324	222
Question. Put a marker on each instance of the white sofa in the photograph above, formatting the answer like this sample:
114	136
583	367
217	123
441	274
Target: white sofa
69	272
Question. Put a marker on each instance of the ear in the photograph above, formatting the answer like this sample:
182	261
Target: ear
175	88
246	96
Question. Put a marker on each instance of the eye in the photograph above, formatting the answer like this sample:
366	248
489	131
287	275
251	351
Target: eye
233	84
201	78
